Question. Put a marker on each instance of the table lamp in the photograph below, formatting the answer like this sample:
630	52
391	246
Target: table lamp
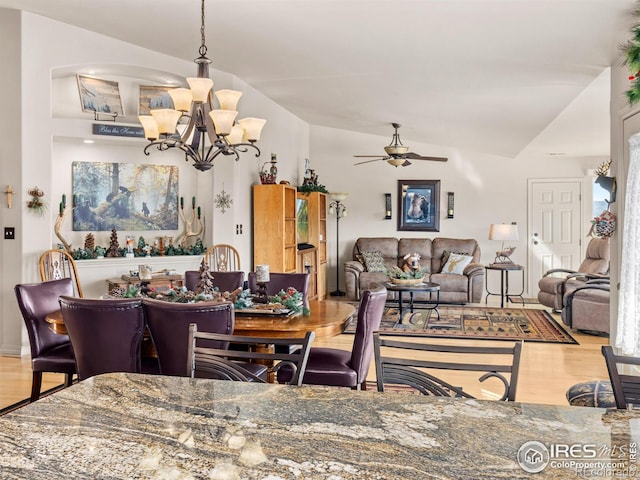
504	232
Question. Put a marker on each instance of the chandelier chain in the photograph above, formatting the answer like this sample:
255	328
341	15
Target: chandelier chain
203	46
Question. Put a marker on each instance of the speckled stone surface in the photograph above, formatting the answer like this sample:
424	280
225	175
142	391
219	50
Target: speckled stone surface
127	426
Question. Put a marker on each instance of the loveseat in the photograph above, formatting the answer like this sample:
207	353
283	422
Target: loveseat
466	286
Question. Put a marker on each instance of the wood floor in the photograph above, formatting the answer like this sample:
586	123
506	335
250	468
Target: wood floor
547	370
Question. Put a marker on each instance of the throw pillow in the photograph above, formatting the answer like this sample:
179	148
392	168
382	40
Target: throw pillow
373	261
456	263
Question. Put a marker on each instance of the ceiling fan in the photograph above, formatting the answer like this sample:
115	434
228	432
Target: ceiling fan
398	154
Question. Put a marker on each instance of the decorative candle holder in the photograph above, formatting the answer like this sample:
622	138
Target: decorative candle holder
262	278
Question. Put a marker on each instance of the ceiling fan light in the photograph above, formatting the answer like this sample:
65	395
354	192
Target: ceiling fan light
182	98
396	149
200	88
228	99
396	162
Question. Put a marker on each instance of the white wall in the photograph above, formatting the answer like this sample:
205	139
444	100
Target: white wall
10	174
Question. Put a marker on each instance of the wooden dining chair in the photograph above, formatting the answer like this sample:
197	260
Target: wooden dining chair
50	352
56	264
417	373
222	258
626	387
230	364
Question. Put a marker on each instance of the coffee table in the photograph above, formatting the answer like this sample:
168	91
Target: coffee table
418	287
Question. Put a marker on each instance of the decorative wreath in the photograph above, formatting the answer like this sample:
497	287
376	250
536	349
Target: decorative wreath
603	225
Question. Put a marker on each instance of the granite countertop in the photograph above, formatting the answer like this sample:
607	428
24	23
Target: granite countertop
129	426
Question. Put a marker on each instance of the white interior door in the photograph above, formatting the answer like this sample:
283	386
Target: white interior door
555	227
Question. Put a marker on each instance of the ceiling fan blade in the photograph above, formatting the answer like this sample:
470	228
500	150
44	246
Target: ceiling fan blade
406	163
368	156
369	161
415	156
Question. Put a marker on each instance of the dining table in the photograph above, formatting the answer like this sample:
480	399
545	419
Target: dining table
326	318
126	426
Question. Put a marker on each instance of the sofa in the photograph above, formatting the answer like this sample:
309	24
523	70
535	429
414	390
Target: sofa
464	287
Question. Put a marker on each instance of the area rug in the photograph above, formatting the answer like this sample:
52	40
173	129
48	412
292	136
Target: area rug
471	322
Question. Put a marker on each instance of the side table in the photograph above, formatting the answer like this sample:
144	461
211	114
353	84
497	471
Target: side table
504	269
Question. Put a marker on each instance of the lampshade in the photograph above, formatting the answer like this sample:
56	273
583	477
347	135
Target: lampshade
182	98
200	88
252	128
167	119
150	127
338	196
235	137
223	120
228	99
503	231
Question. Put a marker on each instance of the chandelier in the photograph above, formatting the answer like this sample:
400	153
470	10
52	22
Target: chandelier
194	126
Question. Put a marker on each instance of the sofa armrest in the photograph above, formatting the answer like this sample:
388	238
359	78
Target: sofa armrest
475	273
352	271
559	270
473	269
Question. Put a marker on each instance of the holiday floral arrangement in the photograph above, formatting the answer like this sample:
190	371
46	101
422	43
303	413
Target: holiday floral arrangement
289	298
408	276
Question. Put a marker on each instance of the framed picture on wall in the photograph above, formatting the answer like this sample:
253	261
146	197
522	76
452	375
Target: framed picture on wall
419	205
100	96
154	96
124	196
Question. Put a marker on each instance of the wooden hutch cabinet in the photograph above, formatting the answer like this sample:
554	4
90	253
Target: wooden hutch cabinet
275	240
274	227
315	259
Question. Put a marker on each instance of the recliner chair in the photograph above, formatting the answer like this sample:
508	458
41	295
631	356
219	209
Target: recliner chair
586	308
557	282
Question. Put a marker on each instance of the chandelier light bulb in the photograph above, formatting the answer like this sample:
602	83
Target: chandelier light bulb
150	127
223	120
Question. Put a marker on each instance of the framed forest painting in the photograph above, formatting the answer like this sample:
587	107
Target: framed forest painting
124	196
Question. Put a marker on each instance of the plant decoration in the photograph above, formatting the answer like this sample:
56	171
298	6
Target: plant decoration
37	203
143	250
310	181
631	52
405	277
291	299
397	272
244	299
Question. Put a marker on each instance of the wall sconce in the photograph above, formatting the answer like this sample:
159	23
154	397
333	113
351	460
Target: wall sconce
387	206
450	204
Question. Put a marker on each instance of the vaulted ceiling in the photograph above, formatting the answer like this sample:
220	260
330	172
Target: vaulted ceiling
489	76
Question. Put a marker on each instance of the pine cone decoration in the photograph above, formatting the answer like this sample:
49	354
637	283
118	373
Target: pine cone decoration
89	242
113	245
